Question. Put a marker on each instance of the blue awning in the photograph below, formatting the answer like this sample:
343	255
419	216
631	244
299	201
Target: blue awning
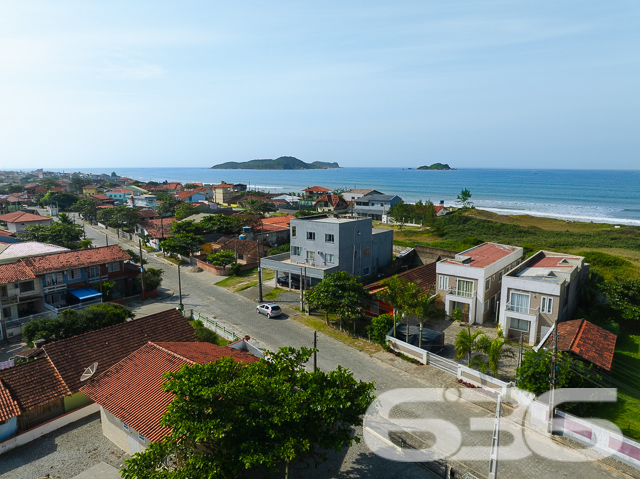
85	293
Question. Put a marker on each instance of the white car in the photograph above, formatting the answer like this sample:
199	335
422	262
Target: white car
270	310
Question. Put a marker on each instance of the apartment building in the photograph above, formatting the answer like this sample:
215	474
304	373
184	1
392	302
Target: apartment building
472	281
542	290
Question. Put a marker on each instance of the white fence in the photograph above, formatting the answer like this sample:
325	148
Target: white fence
583	431
215	326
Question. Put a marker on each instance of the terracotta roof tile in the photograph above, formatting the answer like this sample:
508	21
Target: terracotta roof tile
241	246
423	276
12	272
333	200
158	227
316	189
132	391
109	345
222	185
33	384
587	341
22	217
484	255
8	406
75	259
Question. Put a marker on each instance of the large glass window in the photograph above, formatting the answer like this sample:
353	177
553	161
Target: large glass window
311	255
443	283
519	324
465	288
329	238
547	305
519	302
295	250
311	235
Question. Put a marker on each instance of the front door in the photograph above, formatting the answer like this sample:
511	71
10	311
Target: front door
134	445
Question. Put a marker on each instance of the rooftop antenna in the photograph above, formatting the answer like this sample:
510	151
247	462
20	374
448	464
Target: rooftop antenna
90	371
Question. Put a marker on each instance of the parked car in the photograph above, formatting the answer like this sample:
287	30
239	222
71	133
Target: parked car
284	281
270	310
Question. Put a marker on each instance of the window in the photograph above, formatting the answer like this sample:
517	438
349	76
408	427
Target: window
296	250
111	267
500	276
311	235
493	278
519	324
519	303
6	313
141	438
311	255
27	286
74	274
547	305
93	272
486	306
443	283
375	308
329	258
355	254
465	288
125	426
329	238
293	231
366	271
487	284
367	251
53	278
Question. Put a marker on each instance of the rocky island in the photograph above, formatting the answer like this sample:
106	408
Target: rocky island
437	166
281	163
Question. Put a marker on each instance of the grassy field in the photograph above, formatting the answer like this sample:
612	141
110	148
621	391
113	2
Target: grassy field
244	280
316	321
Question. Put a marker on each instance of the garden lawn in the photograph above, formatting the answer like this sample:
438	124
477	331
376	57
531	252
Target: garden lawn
244	280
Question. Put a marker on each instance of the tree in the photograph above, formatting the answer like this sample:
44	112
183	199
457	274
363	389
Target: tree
135	257
184	244
73	322
152	278
87	208
466	342
15	188
62	200
258	207
338	293
120	217
186	226
76	184
58	233
379	327
624	297
401	295
400	212
222	259
426	309
464	198
184	210
265	414
168	206
303	213
494	350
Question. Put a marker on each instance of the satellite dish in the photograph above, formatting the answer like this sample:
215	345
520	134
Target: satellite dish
89	371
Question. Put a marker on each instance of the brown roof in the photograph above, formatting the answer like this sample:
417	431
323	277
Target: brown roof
423	276
12	272
8	406
241	246
485	254
101	197
316	189
183	195
132	391
109	345
333	200
148	214
587	341
32	384
222	185
75	259
158	227
22	217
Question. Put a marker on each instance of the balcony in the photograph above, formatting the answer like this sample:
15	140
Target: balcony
521	309
54	288
97	279
461	293
7	300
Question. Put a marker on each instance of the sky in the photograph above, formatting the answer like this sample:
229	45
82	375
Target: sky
496	84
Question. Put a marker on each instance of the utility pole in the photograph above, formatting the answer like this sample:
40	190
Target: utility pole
301	291
520	352
180	305
141	269
493	459
554	380
315	351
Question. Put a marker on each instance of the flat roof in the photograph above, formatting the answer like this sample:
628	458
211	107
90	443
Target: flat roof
548	267
483	255
331	219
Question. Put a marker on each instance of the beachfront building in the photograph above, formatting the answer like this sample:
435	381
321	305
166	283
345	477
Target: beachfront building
355	193
321	244
374	206
222	193
472	281
541	291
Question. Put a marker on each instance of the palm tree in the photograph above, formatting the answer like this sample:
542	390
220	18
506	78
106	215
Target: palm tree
427	309
466	343
495	352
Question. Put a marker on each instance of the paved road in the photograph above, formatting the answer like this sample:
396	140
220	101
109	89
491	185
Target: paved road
201	294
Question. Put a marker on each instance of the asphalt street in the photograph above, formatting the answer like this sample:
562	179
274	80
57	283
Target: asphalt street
541	458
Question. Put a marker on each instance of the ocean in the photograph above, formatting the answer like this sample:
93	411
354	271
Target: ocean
608	196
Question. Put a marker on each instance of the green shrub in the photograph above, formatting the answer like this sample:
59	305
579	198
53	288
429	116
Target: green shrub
380	327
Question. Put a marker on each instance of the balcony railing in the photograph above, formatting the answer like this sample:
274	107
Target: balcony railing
461	292
521	309
54	288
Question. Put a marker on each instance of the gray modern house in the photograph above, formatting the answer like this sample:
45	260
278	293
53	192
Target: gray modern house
374	206
323	244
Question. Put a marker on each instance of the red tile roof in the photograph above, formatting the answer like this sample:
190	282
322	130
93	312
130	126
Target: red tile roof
222	185
183	195
22	217
587	341
32	384
423	276
101	197
484	255
278	220
333	200
148	214
8	406
553	262
75	259
132	391
109	345
158	227
241	246
12	272
316	189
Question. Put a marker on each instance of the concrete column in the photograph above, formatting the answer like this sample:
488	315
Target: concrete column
275	279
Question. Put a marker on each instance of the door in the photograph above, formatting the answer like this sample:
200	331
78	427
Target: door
134	445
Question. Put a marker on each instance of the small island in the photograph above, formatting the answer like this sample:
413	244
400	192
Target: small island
281	163
437	166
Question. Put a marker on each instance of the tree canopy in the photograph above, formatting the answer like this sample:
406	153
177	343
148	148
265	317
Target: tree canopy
184	210
464	198
624	297
183	244
87	208
64	201
121	217
338	293
228	418
65	234
222	258
72	322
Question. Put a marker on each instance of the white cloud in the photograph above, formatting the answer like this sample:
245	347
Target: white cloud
132	70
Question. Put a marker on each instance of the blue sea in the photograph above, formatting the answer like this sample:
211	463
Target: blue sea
610	196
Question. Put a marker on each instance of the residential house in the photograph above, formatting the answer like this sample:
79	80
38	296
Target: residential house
137	191
315	192
190	196
541	291
7	237
442	210
20	294
130	393
171	187
472	280
143	201
147	214
583	340
332	204
103	199
272	231
92	190
10	203
246	251
423	276
374	206
19	220
10	253
356	193
321	245
239	187
207	191
49	385
222	193
154	231
121	195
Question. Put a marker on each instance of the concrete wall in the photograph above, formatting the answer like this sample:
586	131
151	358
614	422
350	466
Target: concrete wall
9	428
18	227
427	254
76	401
113	429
